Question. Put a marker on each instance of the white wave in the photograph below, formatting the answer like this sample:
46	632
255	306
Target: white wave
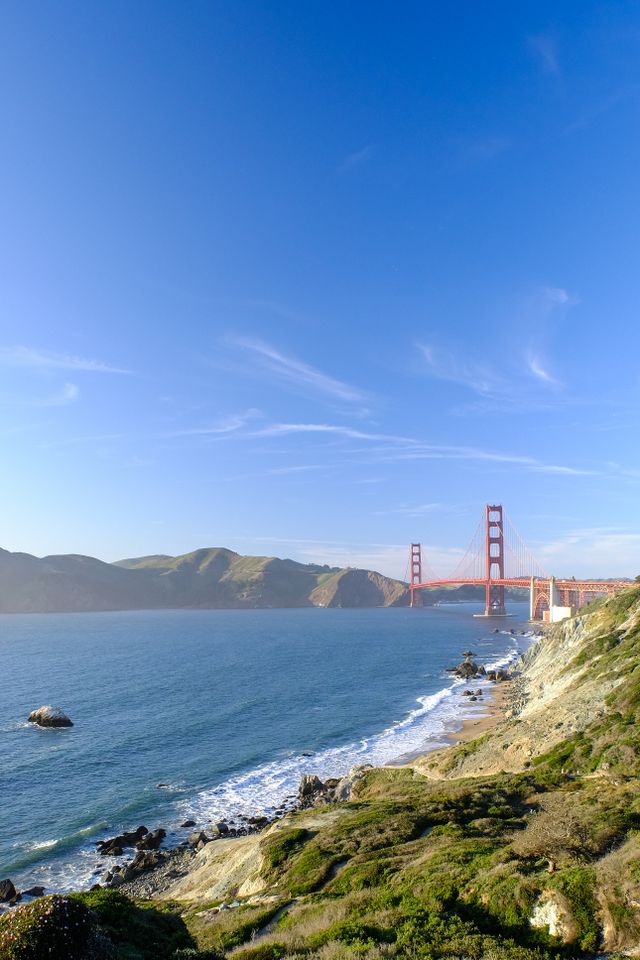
272	786
43	844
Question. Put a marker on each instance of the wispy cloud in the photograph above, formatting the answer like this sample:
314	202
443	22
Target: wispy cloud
552	297
62	397
503	382
69	393
445	366
545	46
596	109
293	370
540	373
299	468
21	356
487	456
415	510
593	552
225	425
393	448
355	159
284	429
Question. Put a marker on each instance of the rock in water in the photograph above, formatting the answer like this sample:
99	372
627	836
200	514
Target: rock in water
152	840
7	891
34	892
49	716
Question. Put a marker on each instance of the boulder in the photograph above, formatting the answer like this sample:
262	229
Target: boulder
49	716
466	669
114	846
7	891
188	823
146	860
198	836
258	821
219	828
478	693
33	892
151	840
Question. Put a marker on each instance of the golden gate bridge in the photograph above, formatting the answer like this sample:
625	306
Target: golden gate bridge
498	558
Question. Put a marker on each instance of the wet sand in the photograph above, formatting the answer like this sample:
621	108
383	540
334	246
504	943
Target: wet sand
494	703
494	706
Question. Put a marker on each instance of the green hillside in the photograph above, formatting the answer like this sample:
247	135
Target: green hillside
206	578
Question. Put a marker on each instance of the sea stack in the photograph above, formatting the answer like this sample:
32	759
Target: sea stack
49	716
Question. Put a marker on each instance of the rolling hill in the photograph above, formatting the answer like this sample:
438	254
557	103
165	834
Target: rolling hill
206	578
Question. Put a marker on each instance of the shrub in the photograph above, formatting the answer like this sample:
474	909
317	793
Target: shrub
265	951
139	931
59	928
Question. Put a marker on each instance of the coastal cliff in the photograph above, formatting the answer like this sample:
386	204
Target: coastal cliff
522	844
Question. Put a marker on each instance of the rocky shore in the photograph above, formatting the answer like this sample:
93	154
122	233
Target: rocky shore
152	874
145	868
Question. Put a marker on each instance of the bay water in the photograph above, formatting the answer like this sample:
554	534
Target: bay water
213	714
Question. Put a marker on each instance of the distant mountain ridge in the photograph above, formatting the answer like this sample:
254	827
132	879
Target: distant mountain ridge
214	577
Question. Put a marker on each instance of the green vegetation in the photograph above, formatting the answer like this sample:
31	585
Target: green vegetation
101	925
207	578
58	927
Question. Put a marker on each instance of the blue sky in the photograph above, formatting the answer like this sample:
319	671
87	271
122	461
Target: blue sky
320	279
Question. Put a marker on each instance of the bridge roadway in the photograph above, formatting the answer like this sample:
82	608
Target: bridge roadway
543	591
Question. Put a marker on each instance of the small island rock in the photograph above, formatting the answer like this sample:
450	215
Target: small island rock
49	716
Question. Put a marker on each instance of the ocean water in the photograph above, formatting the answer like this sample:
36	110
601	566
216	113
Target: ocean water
212	714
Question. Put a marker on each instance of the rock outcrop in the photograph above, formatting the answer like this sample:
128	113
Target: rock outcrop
49	716
141	839
7	891
313	792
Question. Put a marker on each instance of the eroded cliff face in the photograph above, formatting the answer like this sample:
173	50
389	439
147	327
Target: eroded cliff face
560	689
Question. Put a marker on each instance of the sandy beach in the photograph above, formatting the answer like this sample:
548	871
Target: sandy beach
494	705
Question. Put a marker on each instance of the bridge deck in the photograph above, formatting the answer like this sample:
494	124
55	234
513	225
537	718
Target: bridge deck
588	586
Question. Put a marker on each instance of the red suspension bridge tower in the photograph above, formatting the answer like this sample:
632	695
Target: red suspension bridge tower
494	540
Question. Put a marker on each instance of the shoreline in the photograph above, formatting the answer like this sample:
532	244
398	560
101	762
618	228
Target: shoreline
494	703
472	718
178	860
